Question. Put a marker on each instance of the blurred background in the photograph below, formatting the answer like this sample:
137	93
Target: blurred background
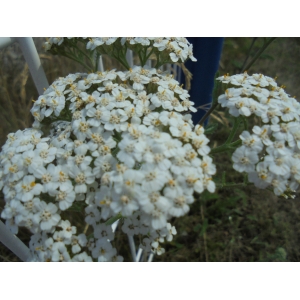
239	224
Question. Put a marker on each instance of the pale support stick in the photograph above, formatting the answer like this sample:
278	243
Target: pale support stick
14	244
139	254
6	41
100	64
135	257
129	58
114	225
150	257
33	60
132	247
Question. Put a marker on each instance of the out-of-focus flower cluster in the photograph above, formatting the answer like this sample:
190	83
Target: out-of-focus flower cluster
169	49
118	146
271	154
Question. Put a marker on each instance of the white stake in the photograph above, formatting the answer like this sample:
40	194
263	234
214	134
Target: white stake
129	58
100	64
33	60
6	41
139	254
14	243
132	247
150	259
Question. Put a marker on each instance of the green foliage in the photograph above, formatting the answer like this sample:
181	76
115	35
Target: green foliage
77	206
113	219
211	129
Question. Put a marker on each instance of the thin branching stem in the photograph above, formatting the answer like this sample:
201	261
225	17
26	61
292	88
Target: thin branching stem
249	51
213	107
258	54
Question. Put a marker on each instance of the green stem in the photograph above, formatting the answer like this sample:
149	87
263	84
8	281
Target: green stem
124	52
75	59
121	57
224	178
258	54
235	144
213	107
249	51
123	62
84	53
231	185
140	58
224	184
144	54
245	121
89	57
159	64
149	54
226	147
102	51
236	124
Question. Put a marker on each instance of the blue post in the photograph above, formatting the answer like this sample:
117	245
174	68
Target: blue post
208	53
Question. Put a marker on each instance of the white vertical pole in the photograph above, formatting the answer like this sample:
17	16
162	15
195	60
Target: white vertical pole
150	259
139	254
132	247
129	58
33	60
6	41
14	243
100	64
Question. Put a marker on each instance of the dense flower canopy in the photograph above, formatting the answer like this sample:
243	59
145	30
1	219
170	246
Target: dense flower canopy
271	153
118	145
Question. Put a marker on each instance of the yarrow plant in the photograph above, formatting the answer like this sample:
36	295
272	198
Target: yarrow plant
270	155
120	147
164	49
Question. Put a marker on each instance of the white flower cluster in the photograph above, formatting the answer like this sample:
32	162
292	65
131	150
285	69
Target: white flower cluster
177	48
119	146
271	155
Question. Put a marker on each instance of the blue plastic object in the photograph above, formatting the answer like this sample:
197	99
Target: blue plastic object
208	53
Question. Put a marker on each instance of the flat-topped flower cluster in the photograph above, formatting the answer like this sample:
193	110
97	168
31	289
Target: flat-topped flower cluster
173	49
271	154
119	145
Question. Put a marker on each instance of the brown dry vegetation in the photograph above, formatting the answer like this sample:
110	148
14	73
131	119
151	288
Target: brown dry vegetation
238	224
